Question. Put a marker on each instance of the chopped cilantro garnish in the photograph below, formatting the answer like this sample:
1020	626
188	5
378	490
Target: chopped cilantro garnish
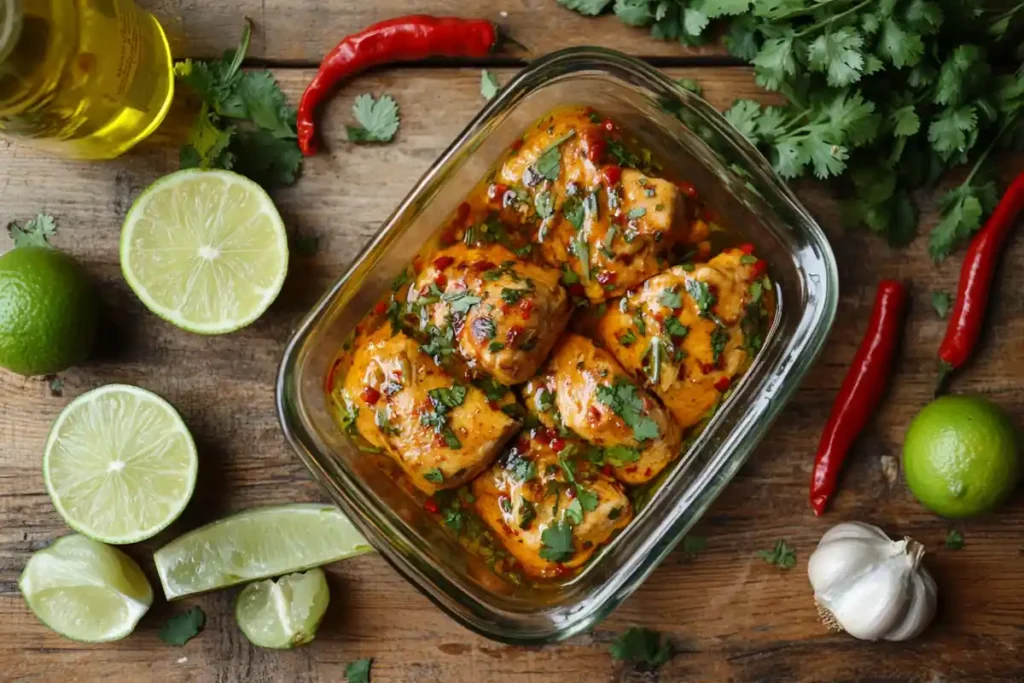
638	320
642	646
748	259
441	343
670	298
544	202
636	212
545	400
511	296
619	456
702	295
384	423
461	301
492	388
624	400
557	543
779	556
527	513
574	212
495	346
521	469
378	119
627	338
719	340
622	154
676	329
434	475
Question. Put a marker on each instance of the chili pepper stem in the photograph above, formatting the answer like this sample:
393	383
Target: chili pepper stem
945	371
505	39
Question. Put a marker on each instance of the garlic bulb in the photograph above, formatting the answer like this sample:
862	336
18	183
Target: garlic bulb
871	586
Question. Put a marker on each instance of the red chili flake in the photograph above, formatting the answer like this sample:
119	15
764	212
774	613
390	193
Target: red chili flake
431	506
448	237
369	395
462	213
707	368
482	266
709	215
359	329
558	444
543	436
570	493
442	262
759	268
596	146
526	306
606	277
594	414
607	470
441	280
517	144
746	248
576	289
687	188
631	469
493	405
380	308
561	570
513	334
659	316
648	472
612	175
723	383
619	219
609	125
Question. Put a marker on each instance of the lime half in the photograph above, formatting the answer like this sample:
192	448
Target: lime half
85	590
283	613
119	464
205	250
256	544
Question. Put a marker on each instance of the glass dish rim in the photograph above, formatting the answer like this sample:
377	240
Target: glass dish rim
431	582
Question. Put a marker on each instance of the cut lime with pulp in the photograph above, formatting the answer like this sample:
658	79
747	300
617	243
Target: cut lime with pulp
85	590
256	544
283	613
205	250
119	464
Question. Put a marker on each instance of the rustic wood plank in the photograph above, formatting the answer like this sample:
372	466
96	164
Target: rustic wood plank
732	616
300	32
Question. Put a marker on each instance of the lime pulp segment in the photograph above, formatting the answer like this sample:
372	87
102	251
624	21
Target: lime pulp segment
256	544
283	613
85	590
119	464
205	250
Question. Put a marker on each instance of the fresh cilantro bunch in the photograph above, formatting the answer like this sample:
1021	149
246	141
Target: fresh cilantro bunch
245	123
887	95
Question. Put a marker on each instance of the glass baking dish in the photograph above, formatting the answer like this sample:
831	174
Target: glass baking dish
752	201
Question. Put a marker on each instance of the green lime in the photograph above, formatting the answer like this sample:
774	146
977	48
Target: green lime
256	544
48	311
960	456
85	590
283	613
119	464
205	250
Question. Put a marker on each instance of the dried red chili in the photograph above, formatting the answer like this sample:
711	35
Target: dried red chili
862	389
403	39
369	395
976	275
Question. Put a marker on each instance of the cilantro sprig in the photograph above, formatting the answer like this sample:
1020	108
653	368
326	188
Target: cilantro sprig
642	646
245	123
35	232
378	119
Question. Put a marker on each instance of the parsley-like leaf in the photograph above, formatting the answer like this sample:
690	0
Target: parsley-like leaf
34	233
942	301
620	456
781	555
624	400
557	543
183	627
587	7
838	55
544	202
692	545
378	119
642	646
670	299
488	84
358	671
954	540
702	296
434	475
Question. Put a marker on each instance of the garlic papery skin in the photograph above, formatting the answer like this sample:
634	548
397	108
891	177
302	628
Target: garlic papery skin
872	587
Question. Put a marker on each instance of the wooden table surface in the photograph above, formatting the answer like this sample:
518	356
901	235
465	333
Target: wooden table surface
731	616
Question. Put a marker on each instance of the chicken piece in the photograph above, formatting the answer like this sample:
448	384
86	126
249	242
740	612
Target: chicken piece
550	510
688	332
441	433
585	390
507	313
611	227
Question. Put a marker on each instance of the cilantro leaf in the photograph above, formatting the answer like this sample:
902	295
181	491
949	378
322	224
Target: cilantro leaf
905	121
183	627
586	7
574	211
378	119
434	475
692	545
670	299
36	232
544	203
634	12
743	115
269	160
620	456
961	210
838	55
942	301
775	62
901	47
624	400
948	132
781	555
358	671
489	85
701	294
642	646
557	543
954	540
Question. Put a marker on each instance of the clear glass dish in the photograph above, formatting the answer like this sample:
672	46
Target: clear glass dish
752	201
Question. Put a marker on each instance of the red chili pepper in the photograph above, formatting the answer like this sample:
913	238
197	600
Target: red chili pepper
431	506
369	395
687	188
441	280
862	389
605	277
595	145
576	289
607	470
403	39
380	307
723	384
442	262
558	444
976	276
612	175
746	248
496	191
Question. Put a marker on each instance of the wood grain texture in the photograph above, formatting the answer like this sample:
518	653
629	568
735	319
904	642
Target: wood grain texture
732	617
300	32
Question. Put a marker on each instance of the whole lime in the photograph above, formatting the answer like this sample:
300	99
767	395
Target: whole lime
48	311
960	456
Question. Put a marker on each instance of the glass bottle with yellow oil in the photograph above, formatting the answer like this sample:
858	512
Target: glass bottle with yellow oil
86	79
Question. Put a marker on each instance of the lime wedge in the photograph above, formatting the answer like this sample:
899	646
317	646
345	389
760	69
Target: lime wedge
205	250
119	464
256	544
283	613
85	590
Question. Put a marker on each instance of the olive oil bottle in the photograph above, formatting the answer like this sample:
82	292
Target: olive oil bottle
86	79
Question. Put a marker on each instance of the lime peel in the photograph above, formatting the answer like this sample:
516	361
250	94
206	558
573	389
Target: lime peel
284	613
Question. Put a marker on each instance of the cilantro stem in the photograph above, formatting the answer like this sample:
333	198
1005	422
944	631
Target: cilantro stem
829	20
804	10
243	49
991	145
